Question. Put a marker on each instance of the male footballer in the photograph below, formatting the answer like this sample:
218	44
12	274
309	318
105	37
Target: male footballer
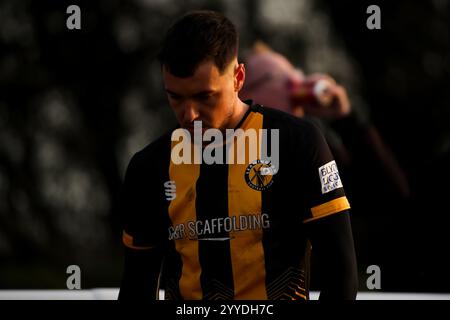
225	205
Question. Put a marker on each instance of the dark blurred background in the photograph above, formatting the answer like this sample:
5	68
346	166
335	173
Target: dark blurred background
76	104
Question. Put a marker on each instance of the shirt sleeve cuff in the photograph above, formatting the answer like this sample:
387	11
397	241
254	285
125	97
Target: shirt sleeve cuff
129	242
329	208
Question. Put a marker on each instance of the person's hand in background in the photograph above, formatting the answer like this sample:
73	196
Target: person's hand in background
319	95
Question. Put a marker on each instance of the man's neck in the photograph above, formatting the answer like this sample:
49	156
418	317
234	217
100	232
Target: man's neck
240	110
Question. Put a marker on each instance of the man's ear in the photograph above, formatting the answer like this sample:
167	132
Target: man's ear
239	77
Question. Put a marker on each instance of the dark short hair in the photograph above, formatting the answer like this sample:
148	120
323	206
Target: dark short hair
196	37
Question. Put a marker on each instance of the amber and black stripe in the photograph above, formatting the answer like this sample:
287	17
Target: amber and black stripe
216	277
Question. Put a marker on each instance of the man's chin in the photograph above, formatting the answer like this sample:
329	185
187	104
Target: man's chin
192	130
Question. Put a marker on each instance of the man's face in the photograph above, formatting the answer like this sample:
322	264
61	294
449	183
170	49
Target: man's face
206	96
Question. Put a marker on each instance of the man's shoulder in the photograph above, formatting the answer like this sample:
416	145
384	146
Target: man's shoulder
155	151
288	123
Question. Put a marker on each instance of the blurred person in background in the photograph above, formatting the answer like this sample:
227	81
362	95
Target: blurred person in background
273	81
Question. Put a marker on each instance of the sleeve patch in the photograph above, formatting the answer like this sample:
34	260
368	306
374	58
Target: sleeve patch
329	177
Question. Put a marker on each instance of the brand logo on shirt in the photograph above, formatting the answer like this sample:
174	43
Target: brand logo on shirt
329	177
171	190
259	174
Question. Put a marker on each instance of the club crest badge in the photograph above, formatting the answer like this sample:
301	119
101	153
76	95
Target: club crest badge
259	174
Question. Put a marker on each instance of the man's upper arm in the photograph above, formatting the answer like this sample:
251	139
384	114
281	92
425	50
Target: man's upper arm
323	188
141	211
143	231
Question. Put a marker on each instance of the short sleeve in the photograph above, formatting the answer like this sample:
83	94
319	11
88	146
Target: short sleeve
142	219
323	185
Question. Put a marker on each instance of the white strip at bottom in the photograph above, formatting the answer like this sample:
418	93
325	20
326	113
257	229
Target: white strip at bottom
112	293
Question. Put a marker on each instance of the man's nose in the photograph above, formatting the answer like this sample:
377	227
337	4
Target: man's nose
190	113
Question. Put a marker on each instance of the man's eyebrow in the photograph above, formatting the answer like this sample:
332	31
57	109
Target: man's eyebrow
171	92
204	92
